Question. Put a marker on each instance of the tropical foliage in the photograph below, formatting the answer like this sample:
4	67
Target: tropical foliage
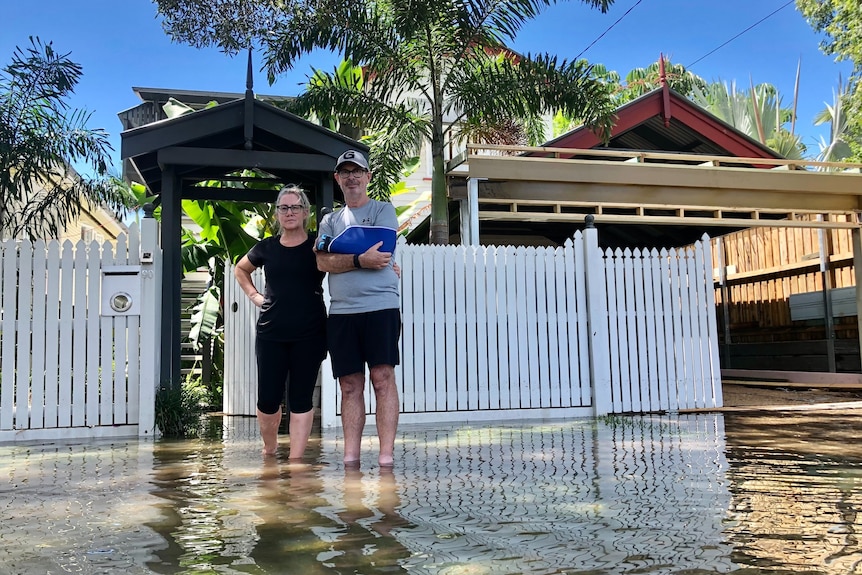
840	144
439	69
638	82
757	112
41	138
841	23
393	148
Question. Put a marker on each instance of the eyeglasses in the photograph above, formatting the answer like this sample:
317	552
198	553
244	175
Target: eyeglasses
293	208
351	173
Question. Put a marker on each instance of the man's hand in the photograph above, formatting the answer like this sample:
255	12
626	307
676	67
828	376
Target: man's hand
373	259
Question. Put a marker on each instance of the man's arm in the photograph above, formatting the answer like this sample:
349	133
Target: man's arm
372	259
334	263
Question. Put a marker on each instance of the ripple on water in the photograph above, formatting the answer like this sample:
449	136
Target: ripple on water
626	495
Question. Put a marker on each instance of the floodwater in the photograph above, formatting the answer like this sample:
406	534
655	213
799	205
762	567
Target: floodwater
773	493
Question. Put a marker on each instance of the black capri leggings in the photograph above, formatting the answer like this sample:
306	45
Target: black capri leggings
288	364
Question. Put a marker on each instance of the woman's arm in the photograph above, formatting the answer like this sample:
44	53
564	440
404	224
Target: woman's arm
242	272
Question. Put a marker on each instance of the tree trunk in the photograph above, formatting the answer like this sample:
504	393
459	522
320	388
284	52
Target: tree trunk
439	197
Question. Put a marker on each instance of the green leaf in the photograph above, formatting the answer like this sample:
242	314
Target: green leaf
205	317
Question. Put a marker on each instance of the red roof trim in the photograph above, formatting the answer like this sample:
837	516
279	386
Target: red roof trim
666	103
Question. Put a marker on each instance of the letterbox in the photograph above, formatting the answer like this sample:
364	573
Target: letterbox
121	290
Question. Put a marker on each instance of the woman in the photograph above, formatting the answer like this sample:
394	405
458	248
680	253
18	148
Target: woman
291	333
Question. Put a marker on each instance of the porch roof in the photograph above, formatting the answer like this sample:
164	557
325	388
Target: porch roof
247	133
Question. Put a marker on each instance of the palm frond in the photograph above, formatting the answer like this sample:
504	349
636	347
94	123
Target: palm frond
40	138
503	88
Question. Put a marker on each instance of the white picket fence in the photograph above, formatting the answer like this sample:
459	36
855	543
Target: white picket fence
497	333
67	370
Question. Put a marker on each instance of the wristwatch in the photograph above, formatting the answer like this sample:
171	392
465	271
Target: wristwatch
356	263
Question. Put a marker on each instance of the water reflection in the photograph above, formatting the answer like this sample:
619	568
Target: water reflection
742	494
796	486
66	508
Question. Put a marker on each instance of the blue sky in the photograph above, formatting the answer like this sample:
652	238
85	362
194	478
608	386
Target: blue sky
120	44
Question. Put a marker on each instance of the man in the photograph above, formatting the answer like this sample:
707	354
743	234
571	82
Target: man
364	323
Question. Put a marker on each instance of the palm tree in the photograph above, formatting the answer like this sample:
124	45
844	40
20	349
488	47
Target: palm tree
393	148
40	139
437	69
640	81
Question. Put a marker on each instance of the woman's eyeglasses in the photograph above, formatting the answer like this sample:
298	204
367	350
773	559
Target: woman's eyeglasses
293	208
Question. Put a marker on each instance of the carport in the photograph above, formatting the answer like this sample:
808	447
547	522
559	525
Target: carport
537	195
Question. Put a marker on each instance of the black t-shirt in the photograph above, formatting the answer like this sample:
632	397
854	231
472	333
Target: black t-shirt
293	298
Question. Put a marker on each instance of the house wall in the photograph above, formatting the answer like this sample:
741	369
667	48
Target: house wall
94	225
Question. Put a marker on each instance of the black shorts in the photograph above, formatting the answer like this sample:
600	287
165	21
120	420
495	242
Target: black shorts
355	340
291	365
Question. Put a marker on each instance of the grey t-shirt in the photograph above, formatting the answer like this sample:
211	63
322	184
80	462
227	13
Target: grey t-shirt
361	290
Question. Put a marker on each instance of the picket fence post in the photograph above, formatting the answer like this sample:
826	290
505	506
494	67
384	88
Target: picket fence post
712	325
151	281
597	320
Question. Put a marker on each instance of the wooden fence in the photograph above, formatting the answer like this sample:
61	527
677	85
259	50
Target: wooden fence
70	367
493	333
766	269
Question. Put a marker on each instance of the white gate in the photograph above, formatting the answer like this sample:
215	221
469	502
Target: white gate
240	363
493	333
71	366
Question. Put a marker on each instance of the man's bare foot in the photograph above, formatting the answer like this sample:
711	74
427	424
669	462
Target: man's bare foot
385	461
351	463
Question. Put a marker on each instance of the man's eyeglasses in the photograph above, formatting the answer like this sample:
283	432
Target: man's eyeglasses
294	208
351	173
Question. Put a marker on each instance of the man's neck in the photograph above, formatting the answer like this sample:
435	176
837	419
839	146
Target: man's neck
357	202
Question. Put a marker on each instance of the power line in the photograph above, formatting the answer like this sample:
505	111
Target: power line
608	29
773	13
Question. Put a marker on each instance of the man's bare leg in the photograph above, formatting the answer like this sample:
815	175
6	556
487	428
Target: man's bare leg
300	429
352	414
386	395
